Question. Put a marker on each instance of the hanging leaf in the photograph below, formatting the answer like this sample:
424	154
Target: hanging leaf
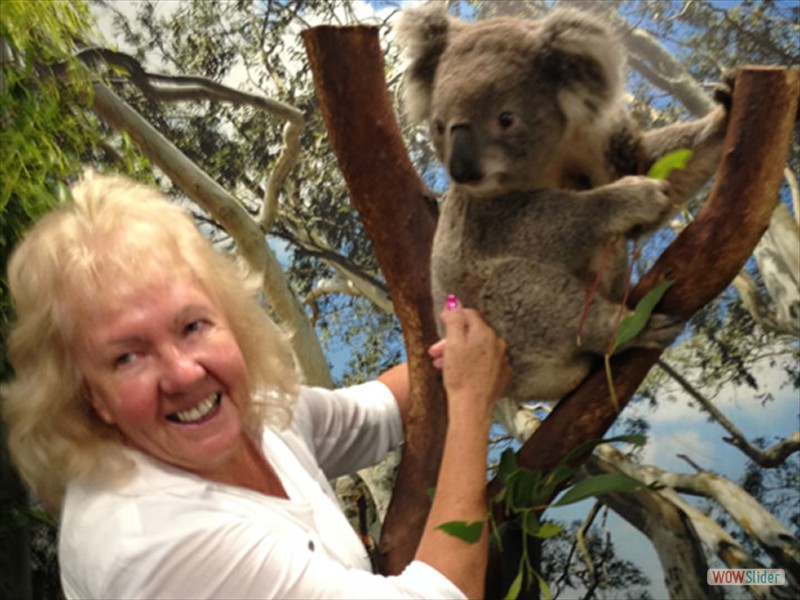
543	587
670	162
508	464
516	586
548	530
521	487
630	326
597	485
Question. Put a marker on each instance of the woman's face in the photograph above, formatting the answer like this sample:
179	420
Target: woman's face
161	364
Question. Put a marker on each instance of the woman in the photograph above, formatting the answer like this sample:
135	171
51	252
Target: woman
159	409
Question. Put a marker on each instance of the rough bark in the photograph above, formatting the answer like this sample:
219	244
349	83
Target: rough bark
399	218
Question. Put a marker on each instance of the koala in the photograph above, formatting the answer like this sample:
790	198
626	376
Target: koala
545	163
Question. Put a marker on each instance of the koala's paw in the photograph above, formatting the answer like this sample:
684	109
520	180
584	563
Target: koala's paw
648	202
723	91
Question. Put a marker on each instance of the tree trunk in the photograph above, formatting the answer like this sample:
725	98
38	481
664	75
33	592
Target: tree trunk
399	217
757	522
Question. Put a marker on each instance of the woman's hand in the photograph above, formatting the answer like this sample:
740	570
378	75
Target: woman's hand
473	359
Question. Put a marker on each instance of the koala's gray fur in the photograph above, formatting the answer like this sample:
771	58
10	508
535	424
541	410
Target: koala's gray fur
528	118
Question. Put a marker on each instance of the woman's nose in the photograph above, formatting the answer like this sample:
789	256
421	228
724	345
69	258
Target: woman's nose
180	370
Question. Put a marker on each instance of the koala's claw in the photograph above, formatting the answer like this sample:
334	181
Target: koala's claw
648	202
723	90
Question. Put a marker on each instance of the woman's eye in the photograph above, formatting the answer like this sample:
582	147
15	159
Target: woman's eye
124	359
194	326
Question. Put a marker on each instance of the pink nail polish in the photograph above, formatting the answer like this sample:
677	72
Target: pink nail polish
451	303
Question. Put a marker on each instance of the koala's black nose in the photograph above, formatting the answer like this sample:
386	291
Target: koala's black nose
465	164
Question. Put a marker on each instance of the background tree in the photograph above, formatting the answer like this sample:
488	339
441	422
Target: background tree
178	57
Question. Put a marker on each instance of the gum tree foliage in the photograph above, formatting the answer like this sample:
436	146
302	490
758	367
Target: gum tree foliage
254	46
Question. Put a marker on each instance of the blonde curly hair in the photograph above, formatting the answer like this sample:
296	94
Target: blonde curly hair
113	234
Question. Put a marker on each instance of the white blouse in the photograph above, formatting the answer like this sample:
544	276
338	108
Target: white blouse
167	533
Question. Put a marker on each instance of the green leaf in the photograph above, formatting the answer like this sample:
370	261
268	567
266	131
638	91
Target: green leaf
468	532
516	586
521	485
599	484
548	530
668	163
557	476
543	587
508	464
632	325
530	522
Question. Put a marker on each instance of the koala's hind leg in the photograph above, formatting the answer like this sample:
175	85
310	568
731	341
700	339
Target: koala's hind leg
536	308
601	326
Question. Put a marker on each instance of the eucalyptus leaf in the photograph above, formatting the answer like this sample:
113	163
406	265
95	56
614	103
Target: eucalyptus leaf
516	586
597	485
630	326
468	532
507	465
670	162
548	530
522	484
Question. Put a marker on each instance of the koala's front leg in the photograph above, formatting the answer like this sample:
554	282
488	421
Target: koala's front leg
704	137
629	205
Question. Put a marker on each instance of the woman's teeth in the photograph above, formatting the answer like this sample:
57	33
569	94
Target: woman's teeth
198	412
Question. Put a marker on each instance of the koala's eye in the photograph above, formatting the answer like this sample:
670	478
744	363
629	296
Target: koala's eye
438	126
505	120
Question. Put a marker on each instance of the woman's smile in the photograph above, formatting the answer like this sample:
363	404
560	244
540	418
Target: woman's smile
200	413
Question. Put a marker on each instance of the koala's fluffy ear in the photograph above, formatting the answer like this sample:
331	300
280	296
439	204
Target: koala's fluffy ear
585	56
422	35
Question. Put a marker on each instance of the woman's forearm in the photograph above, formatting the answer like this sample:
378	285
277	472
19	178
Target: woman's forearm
460	496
